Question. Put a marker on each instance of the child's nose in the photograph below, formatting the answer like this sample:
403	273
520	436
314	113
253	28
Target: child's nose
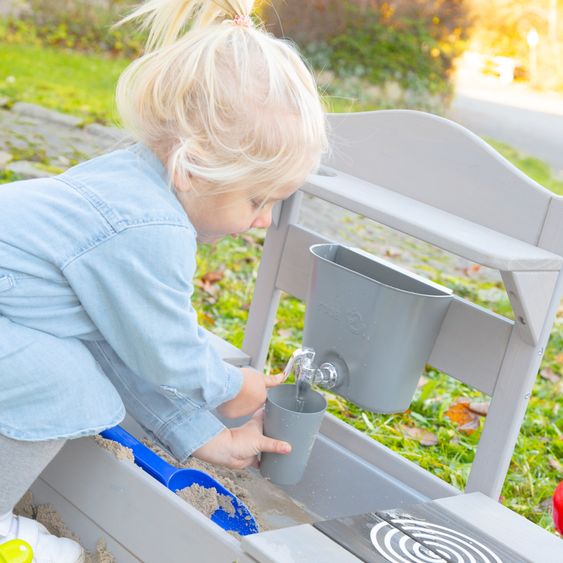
264	220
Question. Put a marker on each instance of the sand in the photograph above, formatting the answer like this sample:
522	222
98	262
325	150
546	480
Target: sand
51	519
207	501
270	505
120	452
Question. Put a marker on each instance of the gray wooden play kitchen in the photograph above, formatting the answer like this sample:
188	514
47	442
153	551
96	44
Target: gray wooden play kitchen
370	328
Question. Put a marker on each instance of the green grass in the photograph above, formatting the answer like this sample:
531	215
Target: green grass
537	169
83	86
62	80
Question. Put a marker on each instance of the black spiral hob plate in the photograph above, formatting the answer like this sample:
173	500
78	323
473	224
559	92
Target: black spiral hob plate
423	533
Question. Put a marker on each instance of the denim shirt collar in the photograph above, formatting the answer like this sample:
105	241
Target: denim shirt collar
156	166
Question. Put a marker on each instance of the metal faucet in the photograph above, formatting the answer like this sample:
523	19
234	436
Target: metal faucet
302	362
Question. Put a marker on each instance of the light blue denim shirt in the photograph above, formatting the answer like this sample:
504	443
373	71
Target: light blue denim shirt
105	252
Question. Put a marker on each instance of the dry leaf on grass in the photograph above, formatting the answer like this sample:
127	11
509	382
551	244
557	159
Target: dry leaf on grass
471	426
473	269
550	375
207	281
424	437
481	409
460	413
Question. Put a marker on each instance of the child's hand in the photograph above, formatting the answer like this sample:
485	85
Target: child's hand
252	394
238	448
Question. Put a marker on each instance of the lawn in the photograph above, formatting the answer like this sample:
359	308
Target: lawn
62	80
83	86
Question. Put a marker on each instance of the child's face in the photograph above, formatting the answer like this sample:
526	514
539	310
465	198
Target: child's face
218	215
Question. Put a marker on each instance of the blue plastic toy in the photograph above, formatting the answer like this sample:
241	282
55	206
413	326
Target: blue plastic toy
175	479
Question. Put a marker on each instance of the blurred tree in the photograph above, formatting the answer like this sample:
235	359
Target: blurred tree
412	42
313	20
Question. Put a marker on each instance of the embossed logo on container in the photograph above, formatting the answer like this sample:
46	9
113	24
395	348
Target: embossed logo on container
356	323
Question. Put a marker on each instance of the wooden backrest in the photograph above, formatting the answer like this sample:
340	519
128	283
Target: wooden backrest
447	173
438	162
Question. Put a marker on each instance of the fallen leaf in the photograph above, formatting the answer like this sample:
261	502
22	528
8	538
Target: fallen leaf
473	269
207	281
559	358
460	413
471	426
422	436
480	408
556	465
550	375
212	277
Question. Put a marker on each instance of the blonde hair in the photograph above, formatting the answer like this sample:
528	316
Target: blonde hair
226	101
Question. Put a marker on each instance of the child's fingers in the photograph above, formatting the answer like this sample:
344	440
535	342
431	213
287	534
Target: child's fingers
274	446
274	380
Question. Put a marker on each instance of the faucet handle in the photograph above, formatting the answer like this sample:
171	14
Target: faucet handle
302	357
302	362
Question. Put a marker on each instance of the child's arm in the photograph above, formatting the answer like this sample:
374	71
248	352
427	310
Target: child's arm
135	285
238	448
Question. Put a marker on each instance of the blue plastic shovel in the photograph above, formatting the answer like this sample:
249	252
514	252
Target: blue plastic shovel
175	479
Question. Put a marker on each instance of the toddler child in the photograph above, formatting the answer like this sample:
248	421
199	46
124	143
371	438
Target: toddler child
96	263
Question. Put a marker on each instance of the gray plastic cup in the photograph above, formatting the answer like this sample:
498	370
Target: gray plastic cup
283	421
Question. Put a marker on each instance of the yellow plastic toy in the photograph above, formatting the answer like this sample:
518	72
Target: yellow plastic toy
16	551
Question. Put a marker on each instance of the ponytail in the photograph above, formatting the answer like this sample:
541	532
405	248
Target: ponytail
217	98
165	19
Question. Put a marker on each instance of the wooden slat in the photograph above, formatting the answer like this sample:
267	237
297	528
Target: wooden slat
229	353
295	269
471	343
372	453
264	306
530	541
438	162
452	233
552	233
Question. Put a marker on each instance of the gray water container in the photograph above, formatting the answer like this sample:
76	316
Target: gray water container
376	322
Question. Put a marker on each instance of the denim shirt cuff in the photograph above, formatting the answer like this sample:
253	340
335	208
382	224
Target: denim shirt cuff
233	384
187	433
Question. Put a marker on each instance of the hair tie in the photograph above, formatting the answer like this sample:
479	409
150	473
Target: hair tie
242	21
